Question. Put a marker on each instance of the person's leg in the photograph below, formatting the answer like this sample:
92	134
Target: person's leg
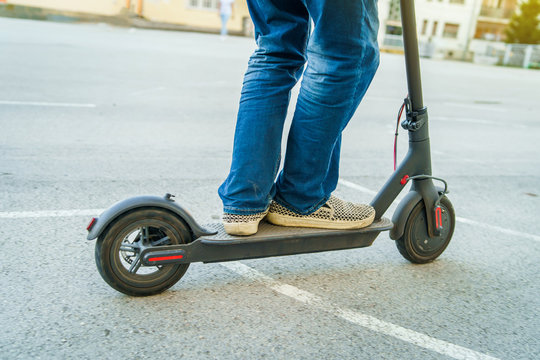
281	30
342	60
224	20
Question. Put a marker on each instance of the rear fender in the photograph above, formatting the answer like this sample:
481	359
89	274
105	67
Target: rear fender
124	206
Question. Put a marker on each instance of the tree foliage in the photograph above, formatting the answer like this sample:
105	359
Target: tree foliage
524	26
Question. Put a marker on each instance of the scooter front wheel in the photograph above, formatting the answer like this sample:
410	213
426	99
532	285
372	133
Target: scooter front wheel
119	247
415	244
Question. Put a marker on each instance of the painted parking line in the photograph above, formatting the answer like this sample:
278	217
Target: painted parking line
44	103
498	228
456	158
495	108
357	187
367	321
49	213
463	119
352	316
146	91
458	219
95	212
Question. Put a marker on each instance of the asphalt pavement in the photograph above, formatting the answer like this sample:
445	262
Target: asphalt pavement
91	114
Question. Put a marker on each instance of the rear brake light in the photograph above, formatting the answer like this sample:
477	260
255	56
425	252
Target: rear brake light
91	224
163	258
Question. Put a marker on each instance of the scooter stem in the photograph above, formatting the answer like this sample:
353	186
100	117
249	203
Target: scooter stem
412	58
418	159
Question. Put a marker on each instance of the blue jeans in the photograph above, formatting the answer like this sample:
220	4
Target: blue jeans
224	20
342	56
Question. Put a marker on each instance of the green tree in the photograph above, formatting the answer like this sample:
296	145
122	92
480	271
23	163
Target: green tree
524	26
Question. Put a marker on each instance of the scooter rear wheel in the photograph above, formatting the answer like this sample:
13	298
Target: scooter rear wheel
119	247
415	244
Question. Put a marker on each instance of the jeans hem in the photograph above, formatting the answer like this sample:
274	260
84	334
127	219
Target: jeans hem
237	211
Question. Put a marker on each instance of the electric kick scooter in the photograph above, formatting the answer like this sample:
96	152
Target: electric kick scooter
145	244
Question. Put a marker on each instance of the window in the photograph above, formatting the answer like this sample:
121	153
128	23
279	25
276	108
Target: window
434	30
394	13
424	27
450	30
393	30
203	4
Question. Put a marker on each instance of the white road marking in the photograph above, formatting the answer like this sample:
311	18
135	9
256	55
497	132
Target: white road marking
368	191
396	100
486	161
498	228
43	103
146	91
477	107
367	321
49	213
458	159
357	187
463	119
458	219
95	212
355	317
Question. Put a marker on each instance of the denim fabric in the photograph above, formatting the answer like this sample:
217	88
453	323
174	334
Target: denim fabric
224	20
341	56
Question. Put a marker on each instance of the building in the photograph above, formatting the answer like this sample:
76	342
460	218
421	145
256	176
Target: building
445	27
197	14
201	14
494	17
95	7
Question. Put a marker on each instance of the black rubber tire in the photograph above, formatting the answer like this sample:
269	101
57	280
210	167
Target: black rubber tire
109	259
415	245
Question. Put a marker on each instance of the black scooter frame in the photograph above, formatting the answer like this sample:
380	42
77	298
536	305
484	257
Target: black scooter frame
210	243
418	159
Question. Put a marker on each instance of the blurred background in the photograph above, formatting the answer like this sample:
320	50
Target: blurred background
497	32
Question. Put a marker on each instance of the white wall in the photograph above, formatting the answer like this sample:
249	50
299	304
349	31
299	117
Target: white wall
101	7
443	12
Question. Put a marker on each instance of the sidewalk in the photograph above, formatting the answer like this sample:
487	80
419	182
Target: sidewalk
122	19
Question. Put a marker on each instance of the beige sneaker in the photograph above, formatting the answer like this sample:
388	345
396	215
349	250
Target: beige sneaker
335	214
242	224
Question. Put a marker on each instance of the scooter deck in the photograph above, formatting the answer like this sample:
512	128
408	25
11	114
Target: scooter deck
269	232
273	240
270	240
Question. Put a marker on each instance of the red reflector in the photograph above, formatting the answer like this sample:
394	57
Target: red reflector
404	180
92	222
438	217
162	258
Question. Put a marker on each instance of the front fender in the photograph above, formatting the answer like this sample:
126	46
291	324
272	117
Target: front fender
124	206
402	212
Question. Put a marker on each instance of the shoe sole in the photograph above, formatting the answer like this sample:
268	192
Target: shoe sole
284	220
243	229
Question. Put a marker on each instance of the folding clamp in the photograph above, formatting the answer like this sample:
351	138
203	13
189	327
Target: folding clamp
415	119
